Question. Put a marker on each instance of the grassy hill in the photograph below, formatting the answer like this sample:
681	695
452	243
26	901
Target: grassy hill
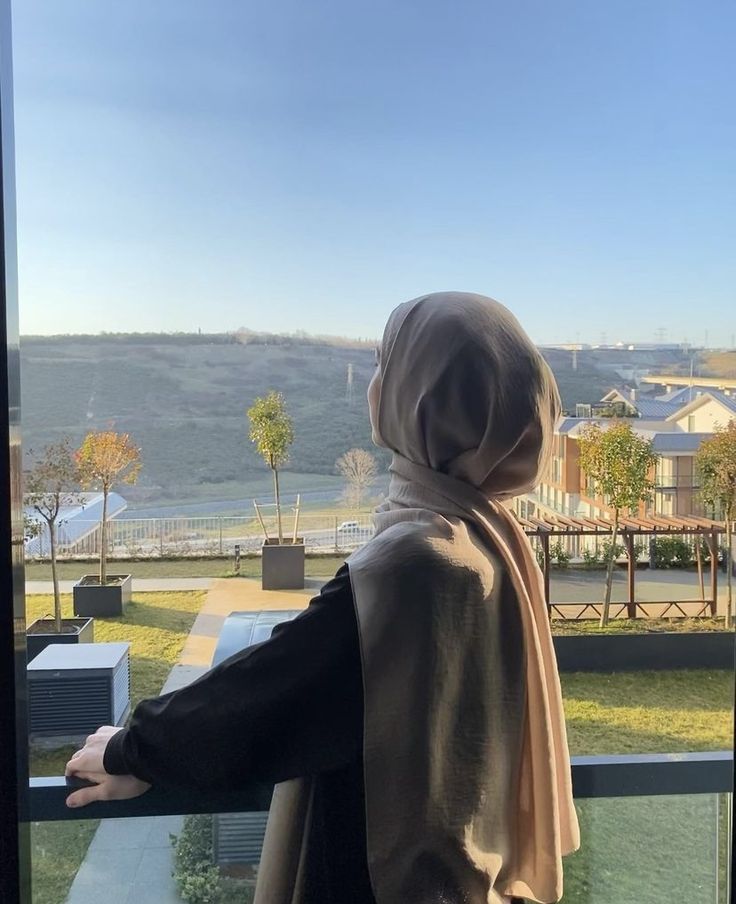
718	364
184	398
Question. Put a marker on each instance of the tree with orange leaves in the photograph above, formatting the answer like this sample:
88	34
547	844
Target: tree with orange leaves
104	459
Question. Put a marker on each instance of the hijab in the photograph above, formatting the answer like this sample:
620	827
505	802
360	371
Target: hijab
467	772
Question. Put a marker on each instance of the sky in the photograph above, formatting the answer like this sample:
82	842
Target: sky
291	165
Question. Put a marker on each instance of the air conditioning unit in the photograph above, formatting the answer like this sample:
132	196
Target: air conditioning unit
75	688
238	837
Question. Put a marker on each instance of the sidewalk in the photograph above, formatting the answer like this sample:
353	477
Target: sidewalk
132	859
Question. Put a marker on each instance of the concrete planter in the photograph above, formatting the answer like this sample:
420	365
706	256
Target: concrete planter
282	565
636	652
102	600
40	633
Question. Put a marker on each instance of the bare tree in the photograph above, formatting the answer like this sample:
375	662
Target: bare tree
358	467
49	486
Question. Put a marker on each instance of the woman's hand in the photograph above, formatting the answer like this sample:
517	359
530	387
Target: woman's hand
88	764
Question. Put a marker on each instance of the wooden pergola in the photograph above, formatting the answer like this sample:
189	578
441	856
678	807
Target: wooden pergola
565	526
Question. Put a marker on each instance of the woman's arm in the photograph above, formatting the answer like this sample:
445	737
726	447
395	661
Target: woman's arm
290	706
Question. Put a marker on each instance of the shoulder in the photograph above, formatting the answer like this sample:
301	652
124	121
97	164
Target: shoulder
428	550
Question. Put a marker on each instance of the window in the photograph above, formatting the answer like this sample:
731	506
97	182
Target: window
207	192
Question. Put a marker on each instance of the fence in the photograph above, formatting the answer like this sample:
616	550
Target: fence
195	537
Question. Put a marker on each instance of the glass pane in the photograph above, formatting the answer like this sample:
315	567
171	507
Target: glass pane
643	849
650	850
147	860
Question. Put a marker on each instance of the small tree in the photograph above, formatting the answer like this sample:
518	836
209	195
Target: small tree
51	484
619	463
716	464
358	467
272	433
105	459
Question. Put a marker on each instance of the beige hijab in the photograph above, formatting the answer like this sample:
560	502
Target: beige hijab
467	771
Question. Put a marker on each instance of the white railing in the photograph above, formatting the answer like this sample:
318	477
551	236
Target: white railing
200	536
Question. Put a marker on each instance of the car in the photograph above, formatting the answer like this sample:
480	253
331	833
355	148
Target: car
349	526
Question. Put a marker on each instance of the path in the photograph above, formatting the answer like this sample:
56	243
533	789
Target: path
131	859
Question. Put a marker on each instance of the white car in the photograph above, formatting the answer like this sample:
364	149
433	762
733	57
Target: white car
349	526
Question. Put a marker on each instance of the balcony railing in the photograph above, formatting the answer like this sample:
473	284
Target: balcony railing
631	775
660	823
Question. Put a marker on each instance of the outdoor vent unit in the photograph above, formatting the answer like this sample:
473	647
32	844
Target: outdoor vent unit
238	837
583	411
75	688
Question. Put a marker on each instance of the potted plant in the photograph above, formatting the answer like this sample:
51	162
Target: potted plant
49	488
104	459
272	433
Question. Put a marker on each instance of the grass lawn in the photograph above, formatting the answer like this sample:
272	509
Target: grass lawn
250	567
156	625
637	626
648	712
636	850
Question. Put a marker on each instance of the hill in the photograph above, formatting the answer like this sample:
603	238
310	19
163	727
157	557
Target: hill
183	398
718	364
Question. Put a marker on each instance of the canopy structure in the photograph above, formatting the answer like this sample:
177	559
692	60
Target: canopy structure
557	525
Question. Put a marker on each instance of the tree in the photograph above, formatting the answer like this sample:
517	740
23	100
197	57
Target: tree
105	459
51	484
716	464
272	433
358	467
619	463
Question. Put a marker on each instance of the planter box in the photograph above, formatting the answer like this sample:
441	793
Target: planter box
636	652
40	633
282	565
103	600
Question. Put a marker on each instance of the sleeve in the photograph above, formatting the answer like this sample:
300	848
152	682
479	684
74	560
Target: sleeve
290	706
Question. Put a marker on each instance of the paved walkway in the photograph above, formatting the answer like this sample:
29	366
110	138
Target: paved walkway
130	861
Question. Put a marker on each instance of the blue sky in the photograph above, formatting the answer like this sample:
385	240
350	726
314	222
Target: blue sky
290	165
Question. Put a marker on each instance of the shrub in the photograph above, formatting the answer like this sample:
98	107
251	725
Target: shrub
198	878
609	551
559	555
591	558
672	552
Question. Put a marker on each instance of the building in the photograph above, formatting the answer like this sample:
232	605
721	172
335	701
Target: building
75	522
676	422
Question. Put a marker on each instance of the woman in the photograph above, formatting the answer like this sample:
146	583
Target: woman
413	711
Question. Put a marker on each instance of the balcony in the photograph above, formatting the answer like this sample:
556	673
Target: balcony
653	826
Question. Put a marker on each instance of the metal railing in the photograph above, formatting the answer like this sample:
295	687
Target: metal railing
195	537
631	775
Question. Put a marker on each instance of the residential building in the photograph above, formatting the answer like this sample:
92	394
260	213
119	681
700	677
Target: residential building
676	422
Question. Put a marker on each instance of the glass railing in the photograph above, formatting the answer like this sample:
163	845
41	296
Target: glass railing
654	828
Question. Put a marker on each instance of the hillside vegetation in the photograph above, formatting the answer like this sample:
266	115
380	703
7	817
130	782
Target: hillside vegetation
719	364
183	399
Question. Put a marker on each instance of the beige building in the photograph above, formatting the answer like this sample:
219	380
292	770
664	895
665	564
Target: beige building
676	423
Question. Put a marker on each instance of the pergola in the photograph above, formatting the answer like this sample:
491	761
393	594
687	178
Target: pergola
566	526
